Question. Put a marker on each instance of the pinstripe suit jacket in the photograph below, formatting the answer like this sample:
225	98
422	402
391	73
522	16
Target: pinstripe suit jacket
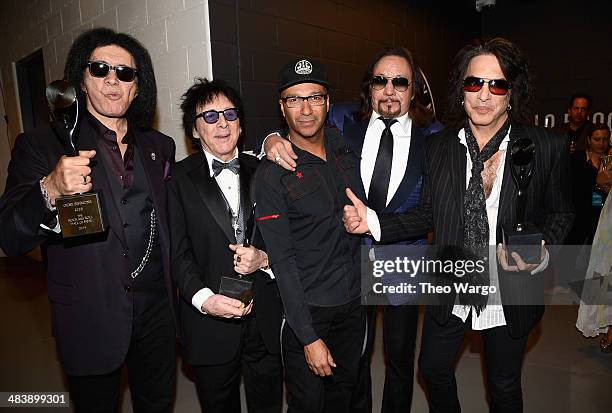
441	207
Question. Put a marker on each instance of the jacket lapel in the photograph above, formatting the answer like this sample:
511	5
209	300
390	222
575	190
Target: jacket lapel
412	173
100	179
212	197
507	207
457	165
153	164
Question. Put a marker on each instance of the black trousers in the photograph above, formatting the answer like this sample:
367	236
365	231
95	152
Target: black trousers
503	358
150	361
218	385
342	330
399	340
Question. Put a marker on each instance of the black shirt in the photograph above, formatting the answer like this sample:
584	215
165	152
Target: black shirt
299	213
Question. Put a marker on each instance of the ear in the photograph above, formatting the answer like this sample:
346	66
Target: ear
195	133
282	107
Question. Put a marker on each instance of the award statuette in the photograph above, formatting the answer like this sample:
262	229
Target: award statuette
241	288
78	214
523	238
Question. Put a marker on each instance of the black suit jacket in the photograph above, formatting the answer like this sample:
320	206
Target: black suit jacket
200	234
441	210
87	277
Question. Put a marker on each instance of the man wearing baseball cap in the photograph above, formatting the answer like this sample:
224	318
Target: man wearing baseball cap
299	214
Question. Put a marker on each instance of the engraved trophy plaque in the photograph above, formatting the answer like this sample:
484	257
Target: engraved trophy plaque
523	238
78	214
241	288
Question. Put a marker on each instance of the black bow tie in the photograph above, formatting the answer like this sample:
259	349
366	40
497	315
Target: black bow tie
233	165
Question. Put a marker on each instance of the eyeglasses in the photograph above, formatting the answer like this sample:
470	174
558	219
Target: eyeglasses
400	83
101	69
296	101
212	116
496	86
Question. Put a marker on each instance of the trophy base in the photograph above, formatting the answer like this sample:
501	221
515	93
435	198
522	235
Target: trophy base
237	288
79	214
527	243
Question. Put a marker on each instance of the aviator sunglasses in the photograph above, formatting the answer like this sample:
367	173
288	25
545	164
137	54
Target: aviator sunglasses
496	86
212	116
400	83
101	69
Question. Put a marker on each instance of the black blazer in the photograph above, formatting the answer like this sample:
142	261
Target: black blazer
441	210
200	234
91	312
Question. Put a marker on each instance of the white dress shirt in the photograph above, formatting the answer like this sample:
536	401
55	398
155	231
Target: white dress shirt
401	147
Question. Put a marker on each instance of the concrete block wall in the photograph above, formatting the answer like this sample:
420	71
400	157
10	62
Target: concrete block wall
174	31
252	39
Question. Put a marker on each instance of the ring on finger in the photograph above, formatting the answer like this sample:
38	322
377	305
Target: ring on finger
84	179
238	259
277	159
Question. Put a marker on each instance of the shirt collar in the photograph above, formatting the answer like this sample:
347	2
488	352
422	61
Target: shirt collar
502	146
210	157
404	122
102	132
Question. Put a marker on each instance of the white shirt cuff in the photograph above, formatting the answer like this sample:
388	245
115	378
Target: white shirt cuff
200	297
270	273
57	229
543	265
373	224
262	153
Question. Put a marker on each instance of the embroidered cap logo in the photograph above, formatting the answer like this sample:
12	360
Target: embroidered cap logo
303	67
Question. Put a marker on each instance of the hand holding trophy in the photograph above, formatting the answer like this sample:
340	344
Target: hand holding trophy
79	213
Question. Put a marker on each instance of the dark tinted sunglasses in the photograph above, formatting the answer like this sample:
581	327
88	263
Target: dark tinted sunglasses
496	86
400	83
212	116
101	69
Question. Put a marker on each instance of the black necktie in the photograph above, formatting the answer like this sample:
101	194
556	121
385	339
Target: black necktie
379	186
233	165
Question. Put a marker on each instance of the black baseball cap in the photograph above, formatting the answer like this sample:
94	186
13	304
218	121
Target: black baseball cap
302	71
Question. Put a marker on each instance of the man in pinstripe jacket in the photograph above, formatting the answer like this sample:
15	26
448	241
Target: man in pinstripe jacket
490	90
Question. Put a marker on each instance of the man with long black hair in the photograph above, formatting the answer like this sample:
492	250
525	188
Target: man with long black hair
111	295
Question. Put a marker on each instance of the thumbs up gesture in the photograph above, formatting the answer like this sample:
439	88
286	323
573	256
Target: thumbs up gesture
354	216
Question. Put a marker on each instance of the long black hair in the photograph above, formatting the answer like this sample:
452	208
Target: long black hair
514	66
419	113
141	111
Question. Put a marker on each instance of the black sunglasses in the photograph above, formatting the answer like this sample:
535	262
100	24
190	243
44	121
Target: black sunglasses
212	116
101	69
496	86
400	83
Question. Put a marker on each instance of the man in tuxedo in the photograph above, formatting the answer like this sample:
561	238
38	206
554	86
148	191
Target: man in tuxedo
300	216
468	195
386	132
578	129
210	201
110	292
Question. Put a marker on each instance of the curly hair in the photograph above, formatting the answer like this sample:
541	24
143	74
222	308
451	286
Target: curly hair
514	66
418	110
141	111
204	91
